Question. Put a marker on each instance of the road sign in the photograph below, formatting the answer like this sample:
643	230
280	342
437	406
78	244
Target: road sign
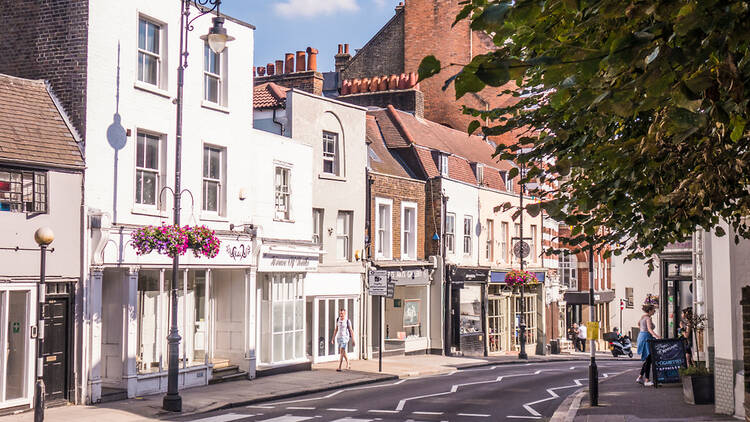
521	249
391	289
378	283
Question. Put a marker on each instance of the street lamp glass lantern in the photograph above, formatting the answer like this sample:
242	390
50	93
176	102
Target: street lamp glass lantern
44	236
217	37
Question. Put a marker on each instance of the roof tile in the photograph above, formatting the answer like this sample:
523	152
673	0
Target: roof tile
269	95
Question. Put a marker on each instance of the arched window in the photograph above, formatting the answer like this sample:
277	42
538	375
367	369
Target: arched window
568	270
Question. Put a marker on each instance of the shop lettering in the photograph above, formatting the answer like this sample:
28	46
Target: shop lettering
239	252
290	262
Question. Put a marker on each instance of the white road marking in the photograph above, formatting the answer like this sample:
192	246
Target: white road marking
348	419
300	408
524	417
337	409
475	415
288	418
402	403
259	407
227	417
382	411
427	413
533	414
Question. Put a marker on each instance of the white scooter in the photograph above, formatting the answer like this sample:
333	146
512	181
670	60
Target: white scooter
621	346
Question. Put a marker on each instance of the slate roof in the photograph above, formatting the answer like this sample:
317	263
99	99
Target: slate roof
33	130
269	95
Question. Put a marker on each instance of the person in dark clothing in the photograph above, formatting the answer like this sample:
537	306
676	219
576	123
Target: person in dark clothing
647	334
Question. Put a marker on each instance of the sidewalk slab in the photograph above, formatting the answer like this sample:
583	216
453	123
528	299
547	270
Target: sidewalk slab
622	400
212	397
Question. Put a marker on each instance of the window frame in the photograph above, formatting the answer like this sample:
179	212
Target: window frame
409	233
384	244
221	181
444	167
158	171
504	241
282	213
568	269
346	236
218	76
490	246
332	157
480	174
467	234
318	215
450	233
24	179
159	56
533	249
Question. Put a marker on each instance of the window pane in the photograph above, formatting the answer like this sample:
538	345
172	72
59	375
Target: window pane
147	68
152	152
149	188
139	151
210	196
214	167
206	153
152	40
278	347
142	34
212	89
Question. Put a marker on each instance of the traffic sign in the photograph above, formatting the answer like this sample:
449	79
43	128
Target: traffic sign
378	283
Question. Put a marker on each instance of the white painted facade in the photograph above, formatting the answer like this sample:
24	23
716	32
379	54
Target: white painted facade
632	275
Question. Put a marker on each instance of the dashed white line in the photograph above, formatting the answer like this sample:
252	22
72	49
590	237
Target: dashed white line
300	408
474	415
524	417
338	409
427	413
383	411
259	407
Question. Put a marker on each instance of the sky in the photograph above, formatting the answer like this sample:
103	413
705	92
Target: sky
285	26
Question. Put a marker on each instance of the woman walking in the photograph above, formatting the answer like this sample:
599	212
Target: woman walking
646	324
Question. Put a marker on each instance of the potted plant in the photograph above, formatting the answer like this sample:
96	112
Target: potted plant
520	278
697	385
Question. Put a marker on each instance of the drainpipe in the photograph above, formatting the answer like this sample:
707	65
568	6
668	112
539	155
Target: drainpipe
448	331
281	125
367	304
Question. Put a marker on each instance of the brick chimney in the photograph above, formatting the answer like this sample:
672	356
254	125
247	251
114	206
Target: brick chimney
343	57
302	75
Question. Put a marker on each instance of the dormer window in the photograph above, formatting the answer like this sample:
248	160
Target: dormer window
480	174
444	165
508	182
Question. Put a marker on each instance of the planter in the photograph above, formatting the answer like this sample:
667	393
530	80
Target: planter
698	389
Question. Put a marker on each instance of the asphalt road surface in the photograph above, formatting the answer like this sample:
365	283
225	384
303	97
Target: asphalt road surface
493	393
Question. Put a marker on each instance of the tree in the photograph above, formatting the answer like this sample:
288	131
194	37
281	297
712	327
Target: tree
635	111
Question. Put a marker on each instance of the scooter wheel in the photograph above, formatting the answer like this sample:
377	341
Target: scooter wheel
630	355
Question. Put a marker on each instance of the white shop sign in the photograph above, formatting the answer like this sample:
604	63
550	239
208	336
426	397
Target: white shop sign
288	259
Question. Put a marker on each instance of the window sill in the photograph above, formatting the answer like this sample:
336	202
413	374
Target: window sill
151	88
153	212
213	106
214	217
283	220
327	176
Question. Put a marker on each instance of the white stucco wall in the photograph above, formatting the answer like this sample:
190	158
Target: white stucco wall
632	274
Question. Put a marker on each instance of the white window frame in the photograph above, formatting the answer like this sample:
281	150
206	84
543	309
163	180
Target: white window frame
282	193
450	232
346	236
318	215
533	248
409	233
490	246
221	181
504	241
160	56
384	229
328	156
218	76
508	183
568	267
444	164
158	171
480	174
467	234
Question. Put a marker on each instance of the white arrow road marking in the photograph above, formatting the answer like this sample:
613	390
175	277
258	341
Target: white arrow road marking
227	417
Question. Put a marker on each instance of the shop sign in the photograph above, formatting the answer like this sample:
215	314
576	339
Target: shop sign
419	276
239	251
390	290
468	274
278	262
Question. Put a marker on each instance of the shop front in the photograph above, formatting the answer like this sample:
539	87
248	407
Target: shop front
281	312
469	310
130	303
325	295
505	307
577	308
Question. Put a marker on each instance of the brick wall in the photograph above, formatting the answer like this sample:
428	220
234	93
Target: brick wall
383	54
409	100
398	189
723	386
433	209
746	346
47	39
308	81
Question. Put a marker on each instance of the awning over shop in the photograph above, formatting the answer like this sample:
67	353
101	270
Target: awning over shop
582	298
499	276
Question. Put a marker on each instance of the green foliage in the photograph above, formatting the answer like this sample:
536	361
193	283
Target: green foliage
638	107
696	370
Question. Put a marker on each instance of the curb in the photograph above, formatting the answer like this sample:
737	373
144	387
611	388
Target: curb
517	362
292	394
568	409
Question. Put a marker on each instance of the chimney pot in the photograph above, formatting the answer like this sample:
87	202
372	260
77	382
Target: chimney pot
393	82
356	85
346	87
312	59
412	79
402	81
270	69
300	61
289	63
341	48
279	68
261	71
346	48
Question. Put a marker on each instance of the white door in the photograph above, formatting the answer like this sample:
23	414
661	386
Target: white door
229	308
326	312
17	315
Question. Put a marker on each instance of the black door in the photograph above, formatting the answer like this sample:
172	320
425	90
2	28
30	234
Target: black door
55	348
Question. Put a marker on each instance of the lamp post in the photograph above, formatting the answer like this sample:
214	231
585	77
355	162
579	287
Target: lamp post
216	38
43	237
593	370
522	321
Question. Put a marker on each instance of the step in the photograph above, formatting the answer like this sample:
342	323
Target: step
220	363
225	370
113	394
234	376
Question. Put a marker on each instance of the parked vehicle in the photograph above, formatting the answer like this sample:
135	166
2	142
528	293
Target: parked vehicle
621	346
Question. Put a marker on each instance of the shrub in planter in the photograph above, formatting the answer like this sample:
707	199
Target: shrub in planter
697	385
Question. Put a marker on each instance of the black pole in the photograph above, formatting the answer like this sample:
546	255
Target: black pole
172	401
39	388
522	321
448	334
380	334
593	370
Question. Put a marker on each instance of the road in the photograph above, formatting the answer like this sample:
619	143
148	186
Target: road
494	393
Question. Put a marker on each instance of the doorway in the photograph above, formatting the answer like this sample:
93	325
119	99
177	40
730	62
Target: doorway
17	311
497	323
56	344
323	321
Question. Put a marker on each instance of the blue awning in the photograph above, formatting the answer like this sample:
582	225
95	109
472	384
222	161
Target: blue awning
499	276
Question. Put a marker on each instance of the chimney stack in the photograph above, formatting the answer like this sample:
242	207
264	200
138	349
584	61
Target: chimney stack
300	61
400	6
342	58
289	63
312	59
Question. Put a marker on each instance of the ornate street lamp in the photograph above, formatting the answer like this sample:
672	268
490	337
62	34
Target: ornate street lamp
43	237
216	38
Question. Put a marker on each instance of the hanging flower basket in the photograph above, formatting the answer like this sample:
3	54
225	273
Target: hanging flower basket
173	241
651	300
520	278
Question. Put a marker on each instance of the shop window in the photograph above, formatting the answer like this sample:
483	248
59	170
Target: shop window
283	336
467	235
23	191
383	228
450	233
529	317
344	236
408	231
405	315
471	309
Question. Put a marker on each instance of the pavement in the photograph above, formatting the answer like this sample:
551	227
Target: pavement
622	400
323	377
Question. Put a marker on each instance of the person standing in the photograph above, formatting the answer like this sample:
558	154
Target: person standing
573	335
646	325
582	336
686	333
342	333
